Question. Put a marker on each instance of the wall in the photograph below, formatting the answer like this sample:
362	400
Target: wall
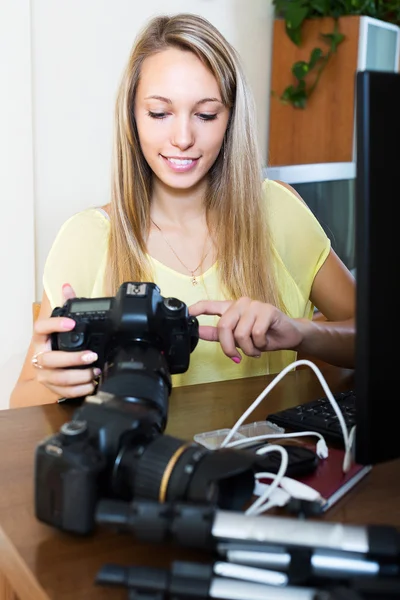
66	61
17	250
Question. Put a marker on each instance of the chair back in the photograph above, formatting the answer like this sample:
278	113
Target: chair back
35	310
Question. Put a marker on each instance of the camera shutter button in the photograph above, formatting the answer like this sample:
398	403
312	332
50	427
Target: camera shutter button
173	304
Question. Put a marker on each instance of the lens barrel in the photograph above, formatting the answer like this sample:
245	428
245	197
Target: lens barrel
170	470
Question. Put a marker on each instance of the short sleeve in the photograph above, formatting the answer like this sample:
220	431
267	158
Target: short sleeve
76	255
298	237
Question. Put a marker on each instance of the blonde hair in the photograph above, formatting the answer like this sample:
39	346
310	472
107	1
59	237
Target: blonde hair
234	195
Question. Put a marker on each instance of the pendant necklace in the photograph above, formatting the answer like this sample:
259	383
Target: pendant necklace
192	272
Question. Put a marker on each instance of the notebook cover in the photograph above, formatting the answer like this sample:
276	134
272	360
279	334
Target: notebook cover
330	481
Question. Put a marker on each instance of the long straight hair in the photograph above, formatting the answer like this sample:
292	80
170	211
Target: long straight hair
234	195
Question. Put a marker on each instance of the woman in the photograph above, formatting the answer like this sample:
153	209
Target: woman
189	211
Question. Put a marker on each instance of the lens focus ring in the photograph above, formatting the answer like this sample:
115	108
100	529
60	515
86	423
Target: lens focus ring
154	466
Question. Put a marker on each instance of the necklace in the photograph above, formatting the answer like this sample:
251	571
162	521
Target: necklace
191	271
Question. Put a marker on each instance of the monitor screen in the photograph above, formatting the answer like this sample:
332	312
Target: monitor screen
377	266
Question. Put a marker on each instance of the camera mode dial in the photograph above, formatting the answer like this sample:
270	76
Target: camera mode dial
173	304
74	431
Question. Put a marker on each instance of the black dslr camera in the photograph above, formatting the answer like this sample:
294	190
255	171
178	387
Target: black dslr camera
138	316
113	447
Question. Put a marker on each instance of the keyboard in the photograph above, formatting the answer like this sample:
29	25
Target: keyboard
319	415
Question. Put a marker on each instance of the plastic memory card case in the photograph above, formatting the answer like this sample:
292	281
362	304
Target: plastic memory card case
214	439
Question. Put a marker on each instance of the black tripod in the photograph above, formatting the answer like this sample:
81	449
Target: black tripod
261	557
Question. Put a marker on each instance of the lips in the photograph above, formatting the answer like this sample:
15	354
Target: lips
180	165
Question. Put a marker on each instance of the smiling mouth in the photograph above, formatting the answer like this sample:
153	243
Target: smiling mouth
180	161
180	165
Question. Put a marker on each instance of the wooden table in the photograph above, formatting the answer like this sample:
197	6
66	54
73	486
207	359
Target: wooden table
38	562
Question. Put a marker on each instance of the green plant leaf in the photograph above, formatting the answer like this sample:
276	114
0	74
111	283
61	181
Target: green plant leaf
294	35
295	95
300	101
320	6
333	39
300	69
287	94
315	56
295	14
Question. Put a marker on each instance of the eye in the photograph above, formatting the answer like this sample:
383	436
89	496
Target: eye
154	115
207	117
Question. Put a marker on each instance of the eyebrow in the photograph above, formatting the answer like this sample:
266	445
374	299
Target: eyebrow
168	101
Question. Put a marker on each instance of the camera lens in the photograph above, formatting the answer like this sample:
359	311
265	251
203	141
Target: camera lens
169	469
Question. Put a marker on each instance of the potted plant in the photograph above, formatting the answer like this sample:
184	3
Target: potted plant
307	73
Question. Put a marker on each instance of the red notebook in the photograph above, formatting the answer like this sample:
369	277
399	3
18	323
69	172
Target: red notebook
330	481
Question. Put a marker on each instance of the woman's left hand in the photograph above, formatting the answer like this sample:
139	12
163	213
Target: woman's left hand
249	325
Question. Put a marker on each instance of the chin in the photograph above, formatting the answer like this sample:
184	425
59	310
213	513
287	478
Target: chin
181	181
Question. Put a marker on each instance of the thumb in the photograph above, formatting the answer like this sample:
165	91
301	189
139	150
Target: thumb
208	333
68	291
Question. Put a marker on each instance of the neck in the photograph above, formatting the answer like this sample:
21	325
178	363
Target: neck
177	207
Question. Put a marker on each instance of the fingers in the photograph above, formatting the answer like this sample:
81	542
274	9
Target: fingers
45	327
68	291
63	360
244	334
243	324
209	307
77	391
226	328
208	333
260	328
66	378
55	372
56	369
236	325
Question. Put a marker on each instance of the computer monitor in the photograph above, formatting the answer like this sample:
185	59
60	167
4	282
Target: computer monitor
377	369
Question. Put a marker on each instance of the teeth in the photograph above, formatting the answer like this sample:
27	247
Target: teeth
177	161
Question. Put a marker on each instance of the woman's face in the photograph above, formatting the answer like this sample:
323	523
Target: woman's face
180	117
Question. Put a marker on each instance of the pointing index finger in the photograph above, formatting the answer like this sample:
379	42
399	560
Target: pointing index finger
209	307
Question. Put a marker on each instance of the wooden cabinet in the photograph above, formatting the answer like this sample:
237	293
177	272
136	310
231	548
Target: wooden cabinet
323	132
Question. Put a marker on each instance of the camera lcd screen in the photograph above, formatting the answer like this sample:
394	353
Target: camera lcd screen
90	305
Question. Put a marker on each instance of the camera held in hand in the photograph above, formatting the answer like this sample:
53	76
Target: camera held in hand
113	447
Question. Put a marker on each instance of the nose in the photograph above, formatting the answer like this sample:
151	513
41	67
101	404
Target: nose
182	133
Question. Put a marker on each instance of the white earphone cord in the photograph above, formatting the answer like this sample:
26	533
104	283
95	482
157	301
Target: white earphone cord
346	436
263	503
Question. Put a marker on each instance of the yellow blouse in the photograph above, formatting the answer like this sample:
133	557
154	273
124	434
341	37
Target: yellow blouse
300	246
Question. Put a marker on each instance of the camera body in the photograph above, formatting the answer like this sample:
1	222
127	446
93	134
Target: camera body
95	455
138	313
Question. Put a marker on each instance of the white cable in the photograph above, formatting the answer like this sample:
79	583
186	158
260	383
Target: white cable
289	488
296	489
278	498
322	448
347	441
281	472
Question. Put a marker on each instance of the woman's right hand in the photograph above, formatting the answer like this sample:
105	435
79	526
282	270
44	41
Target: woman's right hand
54	368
